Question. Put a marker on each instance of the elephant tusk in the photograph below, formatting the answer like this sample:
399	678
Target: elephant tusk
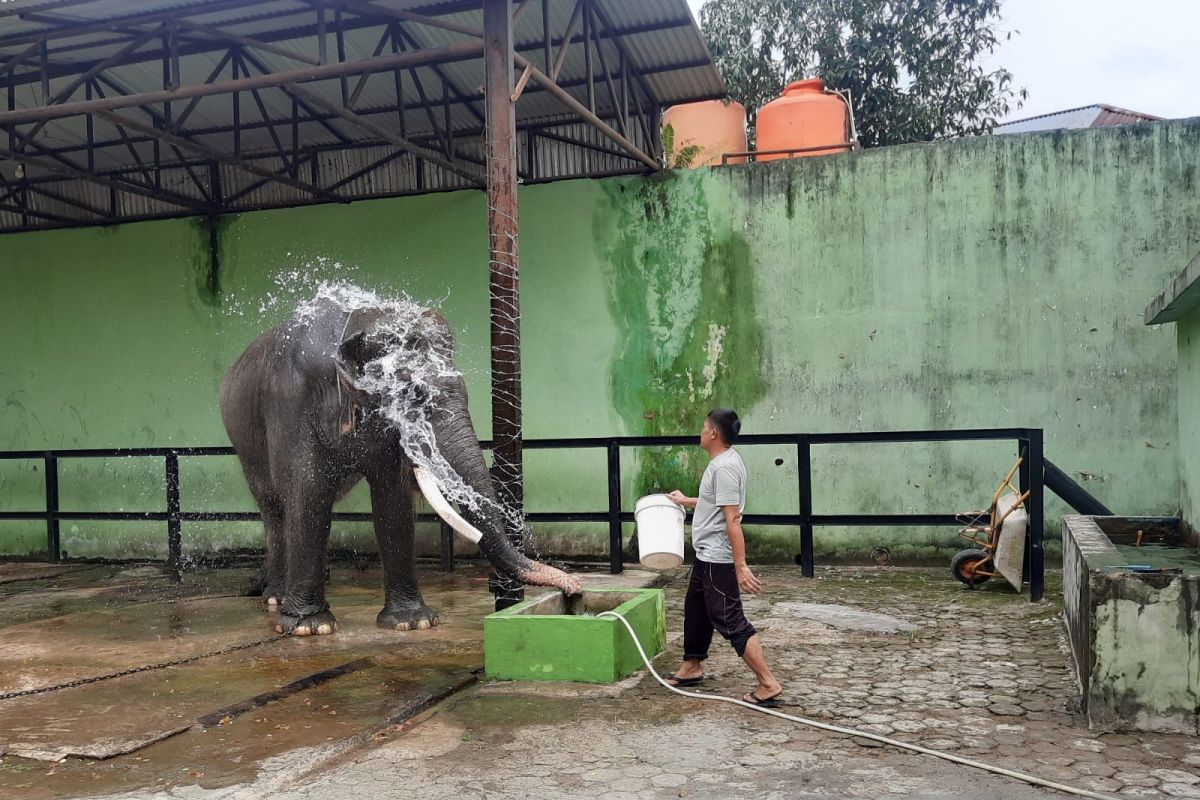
437	500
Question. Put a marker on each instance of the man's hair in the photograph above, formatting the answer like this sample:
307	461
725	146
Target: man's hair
726	421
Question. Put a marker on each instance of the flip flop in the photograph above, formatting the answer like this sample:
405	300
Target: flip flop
765	702
681	682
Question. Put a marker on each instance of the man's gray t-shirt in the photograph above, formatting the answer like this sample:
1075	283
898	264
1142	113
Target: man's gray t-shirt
723	484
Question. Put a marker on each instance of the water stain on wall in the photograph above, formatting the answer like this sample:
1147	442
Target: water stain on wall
682	295
211	233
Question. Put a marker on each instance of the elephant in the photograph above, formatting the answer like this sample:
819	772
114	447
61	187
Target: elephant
307	425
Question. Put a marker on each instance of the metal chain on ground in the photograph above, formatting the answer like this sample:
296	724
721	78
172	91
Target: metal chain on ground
147	667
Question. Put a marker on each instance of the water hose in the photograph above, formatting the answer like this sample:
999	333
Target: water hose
1021	776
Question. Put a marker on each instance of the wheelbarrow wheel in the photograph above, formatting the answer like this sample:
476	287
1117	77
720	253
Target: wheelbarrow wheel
965	563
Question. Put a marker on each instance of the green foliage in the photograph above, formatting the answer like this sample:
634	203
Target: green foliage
912	67
684	157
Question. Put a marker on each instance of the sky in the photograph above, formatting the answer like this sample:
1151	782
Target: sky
1140	55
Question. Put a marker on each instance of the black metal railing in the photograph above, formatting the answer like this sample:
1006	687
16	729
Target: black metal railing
1029	445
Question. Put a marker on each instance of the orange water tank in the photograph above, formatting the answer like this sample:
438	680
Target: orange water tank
715	126
805	116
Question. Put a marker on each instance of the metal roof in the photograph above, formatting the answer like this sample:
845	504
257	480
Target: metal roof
1093	116
313	139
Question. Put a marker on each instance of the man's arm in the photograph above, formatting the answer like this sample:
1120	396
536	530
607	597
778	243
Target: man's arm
682	499
737	542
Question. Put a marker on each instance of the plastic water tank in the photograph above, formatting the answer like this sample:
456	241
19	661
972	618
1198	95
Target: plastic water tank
716	126
805	116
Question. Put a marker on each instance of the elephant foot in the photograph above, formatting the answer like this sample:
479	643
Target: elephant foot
273	596
407	618
318	624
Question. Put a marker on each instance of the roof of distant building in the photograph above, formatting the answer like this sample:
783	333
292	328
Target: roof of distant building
1094	116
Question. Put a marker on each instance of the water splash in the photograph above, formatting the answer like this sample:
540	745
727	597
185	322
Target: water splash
290	285
406	381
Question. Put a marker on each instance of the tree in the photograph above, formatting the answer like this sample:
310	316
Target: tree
912	67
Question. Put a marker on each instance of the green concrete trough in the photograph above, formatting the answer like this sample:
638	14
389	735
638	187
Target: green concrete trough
555	638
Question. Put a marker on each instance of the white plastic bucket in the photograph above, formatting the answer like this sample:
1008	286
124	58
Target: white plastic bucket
660	532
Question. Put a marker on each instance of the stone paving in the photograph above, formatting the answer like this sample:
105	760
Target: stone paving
983	674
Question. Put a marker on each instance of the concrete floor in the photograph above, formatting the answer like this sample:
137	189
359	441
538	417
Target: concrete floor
982	674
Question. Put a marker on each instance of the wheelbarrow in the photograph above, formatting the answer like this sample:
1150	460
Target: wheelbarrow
998	533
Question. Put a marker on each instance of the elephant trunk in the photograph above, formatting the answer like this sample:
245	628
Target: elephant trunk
458	444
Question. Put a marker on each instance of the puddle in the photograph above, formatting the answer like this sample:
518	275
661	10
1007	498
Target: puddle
234	753
483	712
97	622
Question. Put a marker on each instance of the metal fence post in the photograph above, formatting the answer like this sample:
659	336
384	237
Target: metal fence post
615	565
446	535
52	541
1023	474
1037	556
804	478
174	534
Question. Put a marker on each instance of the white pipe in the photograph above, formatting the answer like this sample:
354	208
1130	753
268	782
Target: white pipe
1021	776
429	488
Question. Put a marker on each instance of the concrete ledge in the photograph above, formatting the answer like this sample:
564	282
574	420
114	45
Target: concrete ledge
1181	297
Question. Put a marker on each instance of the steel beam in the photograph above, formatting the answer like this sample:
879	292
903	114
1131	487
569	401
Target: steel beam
105	180
236	163
365	8
222	35
503	274
398	44
445	79
262	68
322	119
21	9
310	31
566	40
409	59
613	100
570	102
80	80
386	135
117	23
70	201
11	64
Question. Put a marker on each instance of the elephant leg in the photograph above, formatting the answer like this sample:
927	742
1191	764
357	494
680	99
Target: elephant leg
269	580
307	514
275	568
392	512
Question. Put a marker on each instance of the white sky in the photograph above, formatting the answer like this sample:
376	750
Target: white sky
1142	55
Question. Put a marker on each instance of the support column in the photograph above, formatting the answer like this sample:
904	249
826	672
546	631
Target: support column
503	273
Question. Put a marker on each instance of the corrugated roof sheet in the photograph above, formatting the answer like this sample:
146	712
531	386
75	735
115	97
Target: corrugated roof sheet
657	38
1093	116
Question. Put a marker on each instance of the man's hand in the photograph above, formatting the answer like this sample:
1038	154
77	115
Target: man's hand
682	499
746	579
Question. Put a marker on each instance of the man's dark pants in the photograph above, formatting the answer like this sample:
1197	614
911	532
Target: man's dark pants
713	602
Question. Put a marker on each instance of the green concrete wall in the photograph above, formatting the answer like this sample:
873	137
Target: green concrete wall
1145	671
993	281
1187	332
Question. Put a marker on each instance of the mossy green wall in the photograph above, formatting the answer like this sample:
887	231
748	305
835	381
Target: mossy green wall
1188	337
993	281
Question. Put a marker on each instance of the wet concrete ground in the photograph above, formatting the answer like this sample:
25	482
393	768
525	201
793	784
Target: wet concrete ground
216	721
982	674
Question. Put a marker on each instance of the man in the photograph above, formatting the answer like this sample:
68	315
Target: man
713	598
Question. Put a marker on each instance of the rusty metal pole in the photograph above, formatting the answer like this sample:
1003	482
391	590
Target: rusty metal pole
503	274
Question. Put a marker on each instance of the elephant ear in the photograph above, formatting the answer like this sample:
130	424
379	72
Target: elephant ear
354	352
